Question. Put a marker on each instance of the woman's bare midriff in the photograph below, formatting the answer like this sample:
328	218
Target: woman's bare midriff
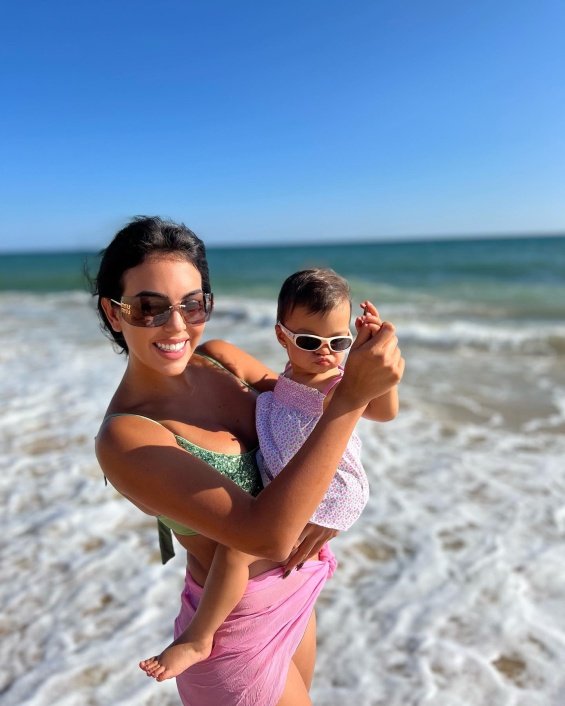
200	552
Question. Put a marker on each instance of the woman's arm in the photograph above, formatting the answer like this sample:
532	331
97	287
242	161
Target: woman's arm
143	462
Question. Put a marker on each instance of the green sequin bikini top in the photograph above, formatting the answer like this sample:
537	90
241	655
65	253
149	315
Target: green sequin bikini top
241	468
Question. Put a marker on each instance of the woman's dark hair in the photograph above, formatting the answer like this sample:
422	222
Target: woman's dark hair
143	237
319	290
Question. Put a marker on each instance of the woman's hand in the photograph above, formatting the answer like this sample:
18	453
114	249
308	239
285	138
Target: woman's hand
311	540
374	365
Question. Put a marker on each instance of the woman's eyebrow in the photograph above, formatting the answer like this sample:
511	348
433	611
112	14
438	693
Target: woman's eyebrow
149	293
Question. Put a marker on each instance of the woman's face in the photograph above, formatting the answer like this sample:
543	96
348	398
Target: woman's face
165	349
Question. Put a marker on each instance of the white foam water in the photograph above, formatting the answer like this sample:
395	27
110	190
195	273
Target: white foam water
450	588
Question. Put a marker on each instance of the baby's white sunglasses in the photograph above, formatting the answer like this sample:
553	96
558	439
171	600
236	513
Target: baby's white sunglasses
310	342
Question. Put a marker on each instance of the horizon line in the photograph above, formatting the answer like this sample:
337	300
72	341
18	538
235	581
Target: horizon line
360	240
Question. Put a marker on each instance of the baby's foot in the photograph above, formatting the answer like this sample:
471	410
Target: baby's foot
177	657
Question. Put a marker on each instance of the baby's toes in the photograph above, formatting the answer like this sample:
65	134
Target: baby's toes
157	669
159	673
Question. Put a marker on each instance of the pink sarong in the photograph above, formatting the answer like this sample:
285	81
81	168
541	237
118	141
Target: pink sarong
253	648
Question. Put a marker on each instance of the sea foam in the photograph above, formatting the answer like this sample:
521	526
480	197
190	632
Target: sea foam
450	586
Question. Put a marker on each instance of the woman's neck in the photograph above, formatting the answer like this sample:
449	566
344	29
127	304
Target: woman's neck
144	389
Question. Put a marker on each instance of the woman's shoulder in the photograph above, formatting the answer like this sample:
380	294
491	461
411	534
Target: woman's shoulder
123	431
128	445
239	363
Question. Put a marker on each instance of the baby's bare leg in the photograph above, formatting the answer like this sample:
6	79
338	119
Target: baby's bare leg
224	587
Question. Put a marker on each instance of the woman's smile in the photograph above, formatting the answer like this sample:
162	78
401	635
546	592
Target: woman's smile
172	349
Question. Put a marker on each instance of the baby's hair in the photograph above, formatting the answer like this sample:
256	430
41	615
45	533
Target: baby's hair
319	290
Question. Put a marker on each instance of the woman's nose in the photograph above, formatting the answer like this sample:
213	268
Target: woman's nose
176	320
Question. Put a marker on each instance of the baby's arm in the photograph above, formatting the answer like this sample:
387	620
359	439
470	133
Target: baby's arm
244	366
224	587
385	407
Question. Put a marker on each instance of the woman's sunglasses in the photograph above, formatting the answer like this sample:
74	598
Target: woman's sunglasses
309	342
150	310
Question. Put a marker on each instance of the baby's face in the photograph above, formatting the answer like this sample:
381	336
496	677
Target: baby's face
328	325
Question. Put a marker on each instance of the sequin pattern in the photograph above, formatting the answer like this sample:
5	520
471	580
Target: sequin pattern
241	468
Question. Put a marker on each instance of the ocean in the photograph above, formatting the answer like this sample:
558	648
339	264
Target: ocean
450	589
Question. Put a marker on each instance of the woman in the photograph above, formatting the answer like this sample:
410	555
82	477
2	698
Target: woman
154	297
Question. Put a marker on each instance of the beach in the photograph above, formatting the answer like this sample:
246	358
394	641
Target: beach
450	589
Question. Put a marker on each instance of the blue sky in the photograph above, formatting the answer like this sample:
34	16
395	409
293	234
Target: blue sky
301	120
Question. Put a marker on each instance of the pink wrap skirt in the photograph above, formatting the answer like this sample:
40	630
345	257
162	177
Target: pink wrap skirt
253	648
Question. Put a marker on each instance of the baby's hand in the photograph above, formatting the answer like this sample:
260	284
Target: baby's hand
370	316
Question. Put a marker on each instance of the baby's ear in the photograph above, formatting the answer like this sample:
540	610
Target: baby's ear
280	336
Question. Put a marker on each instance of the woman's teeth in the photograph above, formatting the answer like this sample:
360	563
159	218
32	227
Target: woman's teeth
171	346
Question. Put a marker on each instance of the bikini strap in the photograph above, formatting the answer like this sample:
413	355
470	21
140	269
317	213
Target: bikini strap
127	414
166	545
223	367
131	414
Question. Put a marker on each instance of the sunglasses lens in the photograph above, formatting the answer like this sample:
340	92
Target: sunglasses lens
196	309
308	343
341	344
145	311
312	343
